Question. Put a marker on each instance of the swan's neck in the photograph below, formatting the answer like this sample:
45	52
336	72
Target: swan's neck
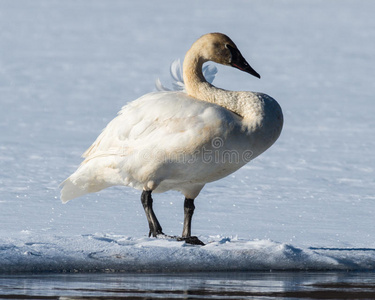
196	85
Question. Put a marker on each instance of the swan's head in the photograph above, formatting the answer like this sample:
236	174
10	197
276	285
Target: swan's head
219	48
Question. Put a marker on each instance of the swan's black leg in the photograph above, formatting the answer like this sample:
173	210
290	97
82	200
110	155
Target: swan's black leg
186	232
153	222
188	214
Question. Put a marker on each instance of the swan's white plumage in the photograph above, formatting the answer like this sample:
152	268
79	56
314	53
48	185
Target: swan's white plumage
169	140
153	135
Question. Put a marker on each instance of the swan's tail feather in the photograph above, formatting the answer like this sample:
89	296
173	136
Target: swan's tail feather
93	175
70	191
209	72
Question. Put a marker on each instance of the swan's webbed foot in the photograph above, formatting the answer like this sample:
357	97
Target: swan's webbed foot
193	240
155	233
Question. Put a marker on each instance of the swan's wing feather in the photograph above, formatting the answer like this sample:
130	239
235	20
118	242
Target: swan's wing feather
160	87
177	78
177	75
209	72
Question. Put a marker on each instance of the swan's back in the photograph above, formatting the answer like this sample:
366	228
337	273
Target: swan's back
168	120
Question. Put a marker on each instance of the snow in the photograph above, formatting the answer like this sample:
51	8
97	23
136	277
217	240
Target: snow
66	68
113	253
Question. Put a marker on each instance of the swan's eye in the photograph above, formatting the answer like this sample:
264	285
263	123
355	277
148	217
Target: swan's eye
227	46
232	52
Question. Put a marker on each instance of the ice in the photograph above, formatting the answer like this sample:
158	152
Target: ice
66	68
113	253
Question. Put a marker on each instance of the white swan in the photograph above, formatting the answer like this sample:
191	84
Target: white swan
181	140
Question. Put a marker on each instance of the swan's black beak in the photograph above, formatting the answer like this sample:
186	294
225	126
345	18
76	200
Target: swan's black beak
239	62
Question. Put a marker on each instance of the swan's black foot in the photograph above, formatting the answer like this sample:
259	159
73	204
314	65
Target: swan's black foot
155	233
193	240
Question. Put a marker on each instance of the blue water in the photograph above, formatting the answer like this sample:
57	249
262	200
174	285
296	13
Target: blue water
248	285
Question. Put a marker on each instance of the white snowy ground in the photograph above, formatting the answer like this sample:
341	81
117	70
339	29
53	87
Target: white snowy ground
67	67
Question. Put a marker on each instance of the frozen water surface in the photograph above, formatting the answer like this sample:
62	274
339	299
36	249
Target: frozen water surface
67	67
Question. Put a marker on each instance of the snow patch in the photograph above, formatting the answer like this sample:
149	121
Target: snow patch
114	253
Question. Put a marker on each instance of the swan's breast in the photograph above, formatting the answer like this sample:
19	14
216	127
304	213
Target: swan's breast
263	122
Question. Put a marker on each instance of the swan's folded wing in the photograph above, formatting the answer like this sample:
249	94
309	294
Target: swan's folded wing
162	122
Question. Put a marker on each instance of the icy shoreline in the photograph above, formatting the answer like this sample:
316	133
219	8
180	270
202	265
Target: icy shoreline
113	253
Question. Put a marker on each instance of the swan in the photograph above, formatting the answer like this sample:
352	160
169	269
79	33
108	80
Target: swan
181	140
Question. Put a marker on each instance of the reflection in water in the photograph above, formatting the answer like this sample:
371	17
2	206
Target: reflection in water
352	285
